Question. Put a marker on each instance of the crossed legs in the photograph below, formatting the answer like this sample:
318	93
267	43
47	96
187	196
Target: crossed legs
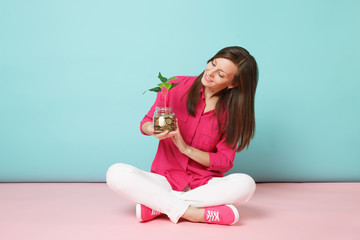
154	191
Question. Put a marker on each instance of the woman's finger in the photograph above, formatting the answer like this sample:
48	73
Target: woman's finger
161	135
176	124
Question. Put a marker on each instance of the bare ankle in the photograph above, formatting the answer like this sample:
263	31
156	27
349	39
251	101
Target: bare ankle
194	214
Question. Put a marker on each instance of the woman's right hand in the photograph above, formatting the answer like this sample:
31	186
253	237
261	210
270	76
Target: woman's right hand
163	135
149	130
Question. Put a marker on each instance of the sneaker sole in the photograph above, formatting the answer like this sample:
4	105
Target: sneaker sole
138	212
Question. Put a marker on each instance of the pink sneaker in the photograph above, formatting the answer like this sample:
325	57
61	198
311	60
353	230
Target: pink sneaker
224	214
144	213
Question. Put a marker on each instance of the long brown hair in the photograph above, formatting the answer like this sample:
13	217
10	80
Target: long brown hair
235	106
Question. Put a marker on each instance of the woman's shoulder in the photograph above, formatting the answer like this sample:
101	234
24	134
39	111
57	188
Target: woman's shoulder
184	80
183	84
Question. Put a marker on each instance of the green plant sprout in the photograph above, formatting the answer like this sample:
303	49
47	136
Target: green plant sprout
164	87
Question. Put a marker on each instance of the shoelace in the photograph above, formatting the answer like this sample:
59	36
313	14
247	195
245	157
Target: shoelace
212	216
153	212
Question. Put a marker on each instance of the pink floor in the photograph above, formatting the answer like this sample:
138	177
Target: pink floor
91	211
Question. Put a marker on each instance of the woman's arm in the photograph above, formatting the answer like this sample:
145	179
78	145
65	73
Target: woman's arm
195	154
147	128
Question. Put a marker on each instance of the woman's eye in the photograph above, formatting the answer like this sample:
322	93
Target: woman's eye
212	62
220	75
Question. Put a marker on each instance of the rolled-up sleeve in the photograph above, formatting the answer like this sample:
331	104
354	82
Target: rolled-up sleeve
149	116
222	159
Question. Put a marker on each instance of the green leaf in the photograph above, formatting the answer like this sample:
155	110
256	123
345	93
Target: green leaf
167	86
163	79
174	85
164	83
155	89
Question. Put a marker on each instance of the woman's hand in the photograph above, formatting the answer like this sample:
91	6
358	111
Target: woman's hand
178	139
163	135
149	130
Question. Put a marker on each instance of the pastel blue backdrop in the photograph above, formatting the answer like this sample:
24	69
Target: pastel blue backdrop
72	74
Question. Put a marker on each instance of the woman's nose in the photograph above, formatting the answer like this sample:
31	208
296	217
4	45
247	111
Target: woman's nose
211	72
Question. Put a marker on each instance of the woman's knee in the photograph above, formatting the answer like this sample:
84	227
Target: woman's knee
118	173
243	182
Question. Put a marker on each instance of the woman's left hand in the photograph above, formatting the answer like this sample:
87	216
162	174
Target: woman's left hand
178	139
196	155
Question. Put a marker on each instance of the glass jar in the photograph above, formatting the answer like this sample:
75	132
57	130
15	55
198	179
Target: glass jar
164	119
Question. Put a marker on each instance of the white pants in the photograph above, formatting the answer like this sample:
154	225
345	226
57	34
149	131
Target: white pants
155	192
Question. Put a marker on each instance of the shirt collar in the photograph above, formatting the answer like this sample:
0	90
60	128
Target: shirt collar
202	93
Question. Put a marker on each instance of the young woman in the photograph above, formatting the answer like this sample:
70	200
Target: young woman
215	119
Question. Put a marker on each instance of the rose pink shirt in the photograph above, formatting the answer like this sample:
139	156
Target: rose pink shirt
200	132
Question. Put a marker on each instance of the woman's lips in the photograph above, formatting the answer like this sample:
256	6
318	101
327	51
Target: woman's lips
206	77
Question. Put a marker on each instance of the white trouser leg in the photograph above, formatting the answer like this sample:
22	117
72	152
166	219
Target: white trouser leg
234	189
149	189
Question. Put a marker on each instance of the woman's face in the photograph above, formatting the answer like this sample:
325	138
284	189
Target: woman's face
218	75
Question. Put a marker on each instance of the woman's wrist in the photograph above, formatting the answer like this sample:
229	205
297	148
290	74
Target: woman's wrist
186	150
197	155
148	128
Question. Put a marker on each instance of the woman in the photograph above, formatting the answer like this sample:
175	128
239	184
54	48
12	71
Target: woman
215	119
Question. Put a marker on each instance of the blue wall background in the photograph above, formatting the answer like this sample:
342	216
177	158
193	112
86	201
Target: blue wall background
72	74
